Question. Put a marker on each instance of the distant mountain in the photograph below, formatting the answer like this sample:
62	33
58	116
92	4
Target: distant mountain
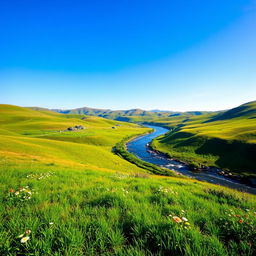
159	110
124	115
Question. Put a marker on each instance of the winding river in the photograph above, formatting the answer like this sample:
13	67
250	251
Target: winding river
139	147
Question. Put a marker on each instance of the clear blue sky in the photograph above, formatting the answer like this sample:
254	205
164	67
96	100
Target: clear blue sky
159	54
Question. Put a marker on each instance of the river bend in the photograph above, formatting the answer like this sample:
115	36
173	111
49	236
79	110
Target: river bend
139	147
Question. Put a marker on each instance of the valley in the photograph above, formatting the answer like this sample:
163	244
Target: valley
67	192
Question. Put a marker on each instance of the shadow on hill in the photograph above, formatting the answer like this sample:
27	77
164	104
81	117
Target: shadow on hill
175	138
182	139
234	155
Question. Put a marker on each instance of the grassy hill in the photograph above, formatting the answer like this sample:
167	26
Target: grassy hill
66	193
41	136
226	140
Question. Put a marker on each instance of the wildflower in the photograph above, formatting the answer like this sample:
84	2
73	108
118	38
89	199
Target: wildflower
187	223
176	219
51	223
16	193
24	239
184	219
11	190
241	221
28	231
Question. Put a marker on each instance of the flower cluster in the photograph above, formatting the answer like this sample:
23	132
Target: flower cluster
182	221
166	190
241	218
125	191
21	194
239	225
25	236
247	218
121	176
39	176
113	190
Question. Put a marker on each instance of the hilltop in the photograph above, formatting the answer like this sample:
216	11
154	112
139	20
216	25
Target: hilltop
247	110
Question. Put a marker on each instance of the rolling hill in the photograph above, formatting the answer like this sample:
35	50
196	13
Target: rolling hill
41	135
226	140
127	115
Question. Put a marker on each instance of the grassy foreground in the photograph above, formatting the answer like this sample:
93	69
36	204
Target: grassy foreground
66	193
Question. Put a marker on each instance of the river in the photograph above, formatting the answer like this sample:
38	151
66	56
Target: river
139	147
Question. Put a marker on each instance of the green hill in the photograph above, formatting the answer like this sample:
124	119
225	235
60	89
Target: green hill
247	110
42	135
126	115
226	140
67	193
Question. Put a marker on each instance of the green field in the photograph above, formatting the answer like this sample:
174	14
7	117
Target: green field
67	193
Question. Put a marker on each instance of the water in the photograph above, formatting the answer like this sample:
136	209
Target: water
139	147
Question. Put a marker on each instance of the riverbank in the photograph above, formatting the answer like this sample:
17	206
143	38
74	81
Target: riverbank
226	140
139	149
121	150
197	164
250	181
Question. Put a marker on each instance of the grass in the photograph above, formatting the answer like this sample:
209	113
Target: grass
75	197
100	213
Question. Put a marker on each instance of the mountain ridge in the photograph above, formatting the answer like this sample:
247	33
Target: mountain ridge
117	114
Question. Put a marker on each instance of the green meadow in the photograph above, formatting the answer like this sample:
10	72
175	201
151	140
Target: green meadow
71	193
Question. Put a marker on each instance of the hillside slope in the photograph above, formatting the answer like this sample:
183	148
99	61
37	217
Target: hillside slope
41	136
226	140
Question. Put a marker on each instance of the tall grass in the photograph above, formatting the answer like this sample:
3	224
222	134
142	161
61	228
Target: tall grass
95	213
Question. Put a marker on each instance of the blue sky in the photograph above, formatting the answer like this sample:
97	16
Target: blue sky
175	55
